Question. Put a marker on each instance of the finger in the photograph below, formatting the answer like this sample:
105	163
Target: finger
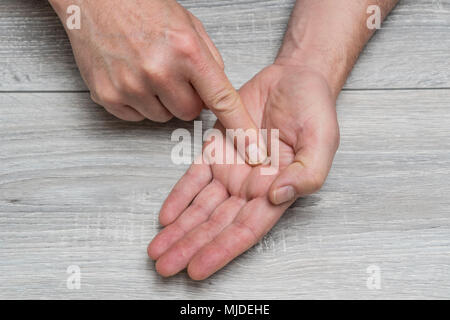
199	211
253	221
125	113
152	108
191	183
310	168
118	110
180	99
218	94
198	25
177	257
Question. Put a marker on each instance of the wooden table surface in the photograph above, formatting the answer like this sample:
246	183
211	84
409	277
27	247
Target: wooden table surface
81	188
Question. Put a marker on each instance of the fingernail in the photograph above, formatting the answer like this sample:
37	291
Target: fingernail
284	194
256	155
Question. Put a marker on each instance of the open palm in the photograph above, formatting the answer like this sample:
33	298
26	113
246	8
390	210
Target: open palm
216	212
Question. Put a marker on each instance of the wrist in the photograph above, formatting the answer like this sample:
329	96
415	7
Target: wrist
332	67
326	36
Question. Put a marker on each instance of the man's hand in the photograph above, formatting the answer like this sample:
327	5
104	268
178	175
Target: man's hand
216	212
151	59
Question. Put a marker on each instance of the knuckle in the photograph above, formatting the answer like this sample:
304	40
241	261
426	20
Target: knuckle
130	86
185	44
224	100
108	96
156	72
189	114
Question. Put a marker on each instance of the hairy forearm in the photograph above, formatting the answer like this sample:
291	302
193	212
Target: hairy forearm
328	36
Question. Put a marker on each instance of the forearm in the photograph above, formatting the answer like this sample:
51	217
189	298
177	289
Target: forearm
328	36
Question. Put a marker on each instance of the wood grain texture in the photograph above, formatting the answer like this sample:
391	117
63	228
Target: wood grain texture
411	51
78	187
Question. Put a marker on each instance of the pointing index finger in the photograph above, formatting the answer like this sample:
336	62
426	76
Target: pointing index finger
219	95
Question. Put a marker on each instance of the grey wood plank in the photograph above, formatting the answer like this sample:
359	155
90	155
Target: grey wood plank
78	187
411	50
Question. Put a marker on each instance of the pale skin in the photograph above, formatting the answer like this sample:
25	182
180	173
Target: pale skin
217	212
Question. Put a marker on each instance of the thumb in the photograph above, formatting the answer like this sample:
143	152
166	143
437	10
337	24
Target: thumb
309	170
